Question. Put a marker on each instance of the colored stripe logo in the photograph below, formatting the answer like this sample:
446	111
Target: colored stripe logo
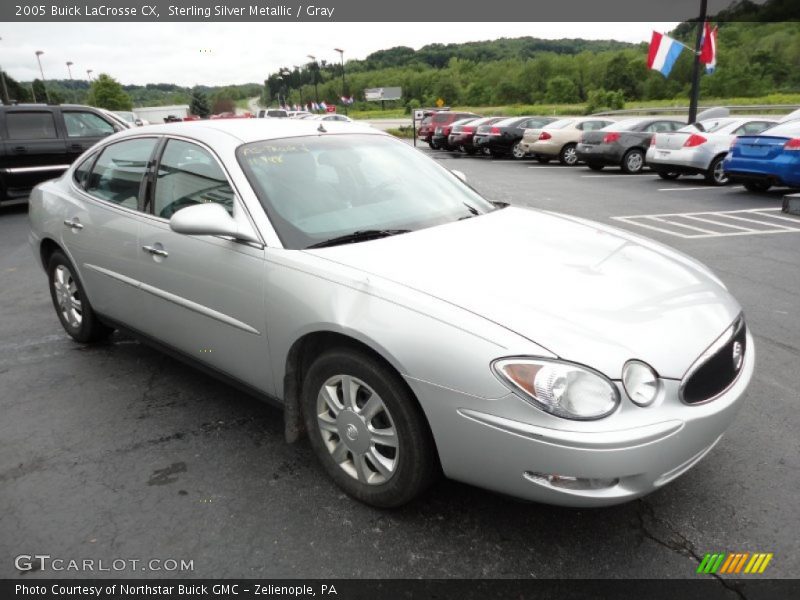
729	563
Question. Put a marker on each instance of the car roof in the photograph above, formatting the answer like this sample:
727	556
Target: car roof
248	130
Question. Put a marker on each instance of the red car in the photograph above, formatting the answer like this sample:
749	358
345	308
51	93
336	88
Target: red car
440	121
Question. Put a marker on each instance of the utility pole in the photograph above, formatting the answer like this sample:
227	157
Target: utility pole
341	55
696	67
69	70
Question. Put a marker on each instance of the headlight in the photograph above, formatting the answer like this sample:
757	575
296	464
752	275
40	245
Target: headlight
560	388
640	381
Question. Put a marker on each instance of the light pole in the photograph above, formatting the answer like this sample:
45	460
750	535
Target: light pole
286	87
41	71
69	70
316	74
341	55
6	99
299	87
89	74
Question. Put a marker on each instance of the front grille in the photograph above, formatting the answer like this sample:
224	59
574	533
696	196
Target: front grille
718	367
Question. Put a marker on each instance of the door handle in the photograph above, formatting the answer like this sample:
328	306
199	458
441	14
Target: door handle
19	149
155	251
76	146
73	224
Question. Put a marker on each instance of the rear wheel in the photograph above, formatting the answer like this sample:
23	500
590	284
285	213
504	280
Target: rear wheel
757	186
517	151
568	155
716	173
71	304
595	166
668	175
633	161
367	430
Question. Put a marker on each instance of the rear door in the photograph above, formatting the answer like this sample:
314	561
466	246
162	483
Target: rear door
34	151
83	129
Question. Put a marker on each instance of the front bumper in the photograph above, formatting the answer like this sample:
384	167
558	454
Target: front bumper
508	446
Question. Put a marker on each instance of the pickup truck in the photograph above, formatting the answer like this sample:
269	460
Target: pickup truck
39	141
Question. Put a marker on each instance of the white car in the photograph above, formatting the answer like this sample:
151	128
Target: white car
695	150
331	117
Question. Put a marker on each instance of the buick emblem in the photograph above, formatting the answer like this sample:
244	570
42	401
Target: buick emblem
352	432
738	356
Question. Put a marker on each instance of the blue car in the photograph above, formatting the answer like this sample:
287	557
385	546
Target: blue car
770	158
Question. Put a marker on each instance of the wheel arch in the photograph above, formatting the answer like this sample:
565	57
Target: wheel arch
301	355
47	247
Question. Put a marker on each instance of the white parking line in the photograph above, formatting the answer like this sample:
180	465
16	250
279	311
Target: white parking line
548	167
695	189
618	175
720	222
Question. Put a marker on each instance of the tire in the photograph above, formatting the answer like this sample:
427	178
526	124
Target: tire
542	159
715	174
568	155
668	175
517	152
595	166
433	146
633	161
71	304
757	186
346	446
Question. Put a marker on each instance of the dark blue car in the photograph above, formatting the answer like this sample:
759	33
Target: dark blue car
770	158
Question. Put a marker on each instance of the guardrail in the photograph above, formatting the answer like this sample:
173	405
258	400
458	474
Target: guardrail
734	108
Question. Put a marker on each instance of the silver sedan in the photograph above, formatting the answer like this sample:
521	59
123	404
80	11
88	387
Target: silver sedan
407	325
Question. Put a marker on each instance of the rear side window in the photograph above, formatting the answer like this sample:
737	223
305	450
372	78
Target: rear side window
38	125
188	174
118	173
752	128
86	124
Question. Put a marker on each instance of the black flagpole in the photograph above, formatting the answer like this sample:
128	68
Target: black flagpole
696	69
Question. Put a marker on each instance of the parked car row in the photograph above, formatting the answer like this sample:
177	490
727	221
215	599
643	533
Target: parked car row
758	152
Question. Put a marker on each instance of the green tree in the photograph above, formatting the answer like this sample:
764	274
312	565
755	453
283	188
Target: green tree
199	104
107	93
562	89
39	90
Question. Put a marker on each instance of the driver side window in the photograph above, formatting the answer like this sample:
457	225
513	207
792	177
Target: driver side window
188	174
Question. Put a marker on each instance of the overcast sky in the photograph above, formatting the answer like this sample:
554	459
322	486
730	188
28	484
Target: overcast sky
138	53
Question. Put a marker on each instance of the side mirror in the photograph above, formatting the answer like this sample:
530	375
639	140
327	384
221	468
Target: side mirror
210	219
460	175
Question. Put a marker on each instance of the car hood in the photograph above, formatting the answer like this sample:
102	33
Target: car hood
587	292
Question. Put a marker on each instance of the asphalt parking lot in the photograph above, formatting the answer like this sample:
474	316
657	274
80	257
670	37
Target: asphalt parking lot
117	451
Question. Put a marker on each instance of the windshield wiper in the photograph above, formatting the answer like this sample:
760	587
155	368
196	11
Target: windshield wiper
359	236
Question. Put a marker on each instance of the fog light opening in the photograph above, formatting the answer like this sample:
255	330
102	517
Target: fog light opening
567	482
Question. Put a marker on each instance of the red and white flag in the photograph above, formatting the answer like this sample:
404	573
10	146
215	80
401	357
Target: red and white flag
708	47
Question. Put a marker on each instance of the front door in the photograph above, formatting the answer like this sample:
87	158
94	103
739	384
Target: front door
204	295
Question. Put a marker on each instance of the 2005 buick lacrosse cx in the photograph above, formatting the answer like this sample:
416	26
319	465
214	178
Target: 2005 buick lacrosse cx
409	326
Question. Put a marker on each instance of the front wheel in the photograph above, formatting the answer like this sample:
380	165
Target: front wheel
367	430
517	151
633	161
716	173
71	304
757	186
568	155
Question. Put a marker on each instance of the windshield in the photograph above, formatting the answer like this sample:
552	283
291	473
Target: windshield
316	188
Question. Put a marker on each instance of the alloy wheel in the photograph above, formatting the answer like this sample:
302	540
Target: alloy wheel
719	173
357	429
68	296
517	151
570	156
